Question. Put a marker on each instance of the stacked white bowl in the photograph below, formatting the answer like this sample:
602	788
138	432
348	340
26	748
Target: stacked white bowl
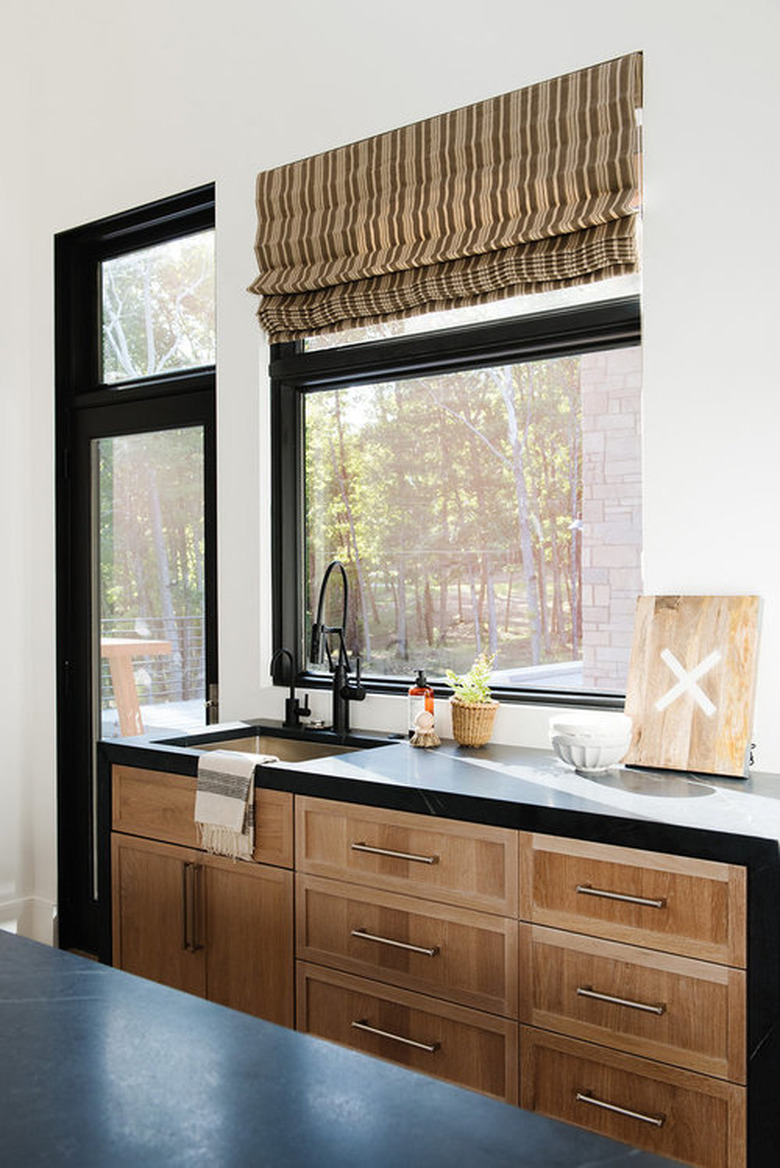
591	742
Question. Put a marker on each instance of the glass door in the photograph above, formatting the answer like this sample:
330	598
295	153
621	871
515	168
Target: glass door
149	582
136	513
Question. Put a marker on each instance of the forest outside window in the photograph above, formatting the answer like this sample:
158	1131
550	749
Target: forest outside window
477	503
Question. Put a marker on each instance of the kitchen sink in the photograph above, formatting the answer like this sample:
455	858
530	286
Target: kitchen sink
285	749
288	746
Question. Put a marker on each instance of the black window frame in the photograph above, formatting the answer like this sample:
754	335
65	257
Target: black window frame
294	372
86	408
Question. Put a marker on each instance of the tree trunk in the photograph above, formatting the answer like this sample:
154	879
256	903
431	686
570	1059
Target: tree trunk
428	613
523	516
551	495
541	576
446	490
341	471
491	606
164	576
443	597
576	538
474	605
400	633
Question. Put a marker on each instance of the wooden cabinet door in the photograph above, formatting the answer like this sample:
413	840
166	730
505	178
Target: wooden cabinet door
158	926
249	931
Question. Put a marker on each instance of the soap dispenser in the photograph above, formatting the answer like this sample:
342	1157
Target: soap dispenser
420	699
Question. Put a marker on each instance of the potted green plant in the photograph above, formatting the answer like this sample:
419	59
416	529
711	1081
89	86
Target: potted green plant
472	705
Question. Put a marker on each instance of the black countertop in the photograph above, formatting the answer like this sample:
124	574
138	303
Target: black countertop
733	820
99	1067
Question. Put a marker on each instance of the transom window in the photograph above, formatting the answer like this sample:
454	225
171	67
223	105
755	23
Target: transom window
157	309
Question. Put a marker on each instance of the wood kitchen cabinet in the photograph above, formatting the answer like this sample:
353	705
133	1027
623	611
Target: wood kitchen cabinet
409	903
643	955
625	968
599	984
205	924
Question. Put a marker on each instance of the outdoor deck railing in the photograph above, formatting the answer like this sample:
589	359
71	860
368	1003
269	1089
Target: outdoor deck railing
175	677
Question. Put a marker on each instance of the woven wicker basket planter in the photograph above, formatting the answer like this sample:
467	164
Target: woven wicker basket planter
472	722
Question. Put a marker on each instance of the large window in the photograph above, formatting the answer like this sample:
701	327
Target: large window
481	485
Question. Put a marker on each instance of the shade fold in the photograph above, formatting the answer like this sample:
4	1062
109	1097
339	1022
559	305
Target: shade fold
533	190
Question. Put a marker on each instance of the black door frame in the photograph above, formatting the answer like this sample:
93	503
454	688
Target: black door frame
87	410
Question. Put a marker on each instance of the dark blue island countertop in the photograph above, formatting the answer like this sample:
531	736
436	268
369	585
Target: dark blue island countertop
99	1068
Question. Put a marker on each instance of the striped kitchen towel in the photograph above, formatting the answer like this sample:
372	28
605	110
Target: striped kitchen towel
225	802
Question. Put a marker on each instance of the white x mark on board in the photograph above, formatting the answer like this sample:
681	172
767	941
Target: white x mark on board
687	681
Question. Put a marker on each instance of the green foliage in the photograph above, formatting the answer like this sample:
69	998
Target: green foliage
412	485
473	686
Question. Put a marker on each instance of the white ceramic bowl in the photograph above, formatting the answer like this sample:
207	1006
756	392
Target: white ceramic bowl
591	726
590	757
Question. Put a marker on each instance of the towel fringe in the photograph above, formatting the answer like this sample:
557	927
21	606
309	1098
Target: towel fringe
222	841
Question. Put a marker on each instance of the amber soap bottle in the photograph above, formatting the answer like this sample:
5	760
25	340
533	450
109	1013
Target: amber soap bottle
420	698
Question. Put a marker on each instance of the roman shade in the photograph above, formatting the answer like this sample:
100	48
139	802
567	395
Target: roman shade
530	191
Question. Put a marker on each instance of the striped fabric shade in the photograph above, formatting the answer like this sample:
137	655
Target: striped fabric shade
527	192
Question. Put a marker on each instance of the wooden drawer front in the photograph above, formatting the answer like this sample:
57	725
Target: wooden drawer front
693	907
689	1013
450	1042
458	954
161	806
154	804
274	828
698	1120
458	863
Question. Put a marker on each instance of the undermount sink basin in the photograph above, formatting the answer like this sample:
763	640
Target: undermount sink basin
285	749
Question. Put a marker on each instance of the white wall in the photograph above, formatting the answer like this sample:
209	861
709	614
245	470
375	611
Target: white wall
136	99
17	634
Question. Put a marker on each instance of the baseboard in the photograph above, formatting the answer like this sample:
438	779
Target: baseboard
32	917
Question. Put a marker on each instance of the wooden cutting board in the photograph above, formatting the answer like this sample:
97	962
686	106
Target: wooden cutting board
691	683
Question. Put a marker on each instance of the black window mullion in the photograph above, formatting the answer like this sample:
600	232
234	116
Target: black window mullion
566	332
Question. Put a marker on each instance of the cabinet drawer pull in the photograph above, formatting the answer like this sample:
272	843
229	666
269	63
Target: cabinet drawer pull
185	907
430	1047
197	869
588	890
589	992
655	1120
189	900
361	847
364	936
